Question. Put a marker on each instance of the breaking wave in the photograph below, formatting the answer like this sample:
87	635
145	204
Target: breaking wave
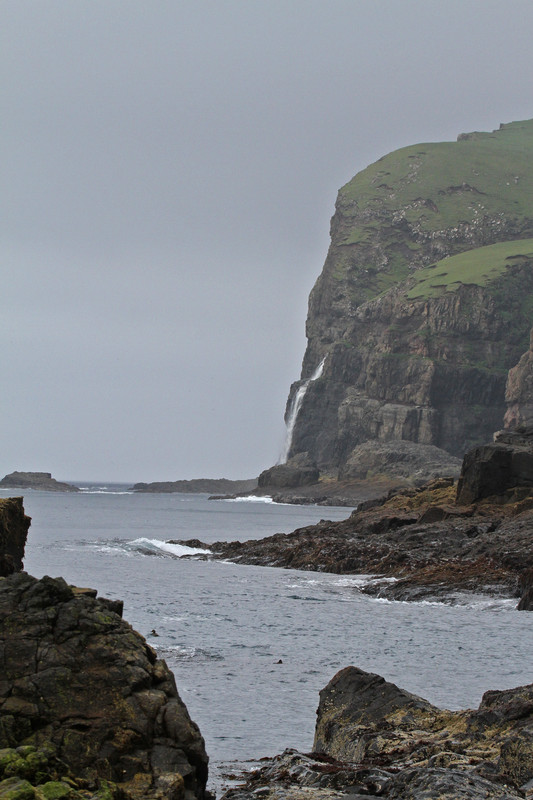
156	547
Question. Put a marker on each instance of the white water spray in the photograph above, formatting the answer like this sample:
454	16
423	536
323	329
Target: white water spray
295	409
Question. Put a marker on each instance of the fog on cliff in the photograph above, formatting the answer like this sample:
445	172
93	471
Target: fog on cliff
170	170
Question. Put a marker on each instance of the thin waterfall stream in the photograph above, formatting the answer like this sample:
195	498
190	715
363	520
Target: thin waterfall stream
295	410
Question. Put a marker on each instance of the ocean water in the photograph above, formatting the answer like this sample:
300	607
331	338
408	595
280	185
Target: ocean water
224	628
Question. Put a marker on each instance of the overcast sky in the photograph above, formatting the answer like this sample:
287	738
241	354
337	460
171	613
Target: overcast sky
170	168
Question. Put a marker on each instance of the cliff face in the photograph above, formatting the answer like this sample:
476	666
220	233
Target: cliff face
425	299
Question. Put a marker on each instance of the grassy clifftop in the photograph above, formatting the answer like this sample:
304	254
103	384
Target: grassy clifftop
420	203
480	267
437	185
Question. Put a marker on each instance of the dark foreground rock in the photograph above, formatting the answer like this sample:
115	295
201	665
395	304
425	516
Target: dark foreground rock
87	710
376	740
14	526
35	480
79	684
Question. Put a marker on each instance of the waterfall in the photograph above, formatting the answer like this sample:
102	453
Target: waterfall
295	409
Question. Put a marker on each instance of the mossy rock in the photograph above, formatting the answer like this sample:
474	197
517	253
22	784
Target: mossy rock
16	788
56	790
26	762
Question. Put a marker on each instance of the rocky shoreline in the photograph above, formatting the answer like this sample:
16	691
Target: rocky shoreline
374	740
435	541
88	711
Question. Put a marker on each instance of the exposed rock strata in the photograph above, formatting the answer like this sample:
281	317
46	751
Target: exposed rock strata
374	740
428	369
298	471
411	463
35	480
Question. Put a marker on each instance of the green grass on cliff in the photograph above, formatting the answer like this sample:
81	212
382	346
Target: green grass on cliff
480	266
440	185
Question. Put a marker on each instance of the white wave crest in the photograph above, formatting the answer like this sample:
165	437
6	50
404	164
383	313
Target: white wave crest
158	547
251	498
102	491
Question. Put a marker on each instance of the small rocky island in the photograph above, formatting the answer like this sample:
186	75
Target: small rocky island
197	486
42	481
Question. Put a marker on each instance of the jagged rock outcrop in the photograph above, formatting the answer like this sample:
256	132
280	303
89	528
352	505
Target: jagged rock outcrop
374	740
519	392
87	710
79	680
363	718
14	526
35	480
493	469
424	302
298	471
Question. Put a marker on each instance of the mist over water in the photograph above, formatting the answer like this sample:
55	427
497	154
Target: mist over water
223	628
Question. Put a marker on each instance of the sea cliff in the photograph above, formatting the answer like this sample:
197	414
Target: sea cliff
424	302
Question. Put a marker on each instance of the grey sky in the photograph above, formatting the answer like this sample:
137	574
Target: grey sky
169	172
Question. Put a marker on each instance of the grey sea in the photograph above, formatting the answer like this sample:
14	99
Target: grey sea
224	629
